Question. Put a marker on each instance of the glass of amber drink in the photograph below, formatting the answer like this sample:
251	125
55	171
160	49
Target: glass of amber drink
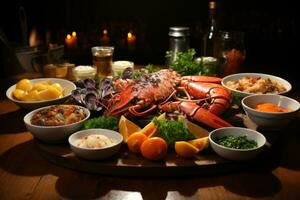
103	60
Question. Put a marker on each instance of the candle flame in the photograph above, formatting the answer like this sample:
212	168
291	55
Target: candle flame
74	34
105	32
68	36
34	38
129	35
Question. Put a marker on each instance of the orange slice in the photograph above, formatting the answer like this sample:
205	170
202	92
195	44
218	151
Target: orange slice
200	143
185	149
127	127
150	129
196	130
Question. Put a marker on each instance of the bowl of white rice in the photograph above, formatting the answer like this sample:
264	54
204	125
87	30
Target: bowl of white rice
95	144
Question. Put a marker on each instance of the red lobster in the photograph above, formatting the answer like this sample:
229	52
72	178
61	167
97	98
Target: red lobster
212	99
154	91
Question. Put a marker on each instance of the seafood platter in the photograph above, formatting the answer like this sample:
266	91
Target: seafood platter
164	121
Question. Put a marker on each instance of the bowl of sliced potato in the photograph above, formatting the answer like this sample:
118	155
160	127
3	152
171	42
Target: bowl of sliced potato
36	93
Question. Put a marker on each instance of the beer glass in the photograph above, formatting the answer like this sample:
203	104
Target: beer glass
102	60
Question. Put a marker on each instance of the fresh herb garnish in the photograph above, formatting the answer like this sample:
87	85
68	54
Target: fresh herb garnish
105	122
239	142
152	68
136	74
186	64
148	69
172	131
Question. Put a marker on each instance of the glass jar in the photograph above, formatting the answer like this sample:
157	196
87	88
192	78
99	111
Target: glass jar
103	60
179	41
83	72
232	52
119	66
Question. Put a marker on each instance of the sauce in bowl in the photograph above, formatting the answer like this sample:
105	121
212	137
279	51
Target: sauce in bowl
270	107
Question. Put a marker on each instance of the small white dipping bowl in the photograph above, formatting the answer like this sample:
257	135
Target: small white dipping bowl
238	76
67	86
236	154
53	134
270	120
97	153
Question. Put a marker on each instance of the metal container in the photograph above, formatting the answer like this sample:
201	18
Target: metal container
179	41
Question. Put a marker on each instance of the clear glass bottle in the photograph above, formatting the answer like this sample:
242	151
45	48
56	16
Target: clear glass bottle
209	48
179	41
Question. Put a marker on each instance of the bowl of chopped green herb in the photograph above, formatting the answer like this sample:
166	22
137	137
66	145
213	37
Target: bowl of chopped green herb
236	143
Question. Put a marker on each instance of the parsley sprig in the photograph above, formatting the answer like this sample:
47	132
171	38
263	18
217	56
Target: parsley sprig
186	64
172	131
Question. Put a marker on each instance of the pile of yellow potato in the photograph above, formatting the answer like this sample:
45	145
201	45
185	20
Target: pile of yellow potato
45	90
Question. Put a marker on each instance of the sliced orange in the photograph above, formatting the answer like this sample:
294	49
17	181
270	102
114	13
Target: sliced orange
150	129
200	143
196	130
185	149
127	127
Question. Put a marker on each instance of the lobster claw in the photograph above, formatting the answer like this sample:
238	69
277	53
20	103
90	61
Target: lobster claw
197	113
210	119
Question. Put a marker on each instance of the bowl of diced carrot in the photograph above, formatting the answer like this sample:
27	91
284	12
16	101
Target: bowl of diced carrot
270	111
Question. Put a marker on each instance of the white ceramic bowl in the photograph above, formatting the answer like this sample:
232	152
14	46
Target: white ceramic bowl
235	77
53	134
270	120
68	86
236	154
98	153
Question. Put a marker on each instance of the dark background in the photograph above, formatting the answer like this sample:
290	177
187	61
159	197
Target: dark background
271	28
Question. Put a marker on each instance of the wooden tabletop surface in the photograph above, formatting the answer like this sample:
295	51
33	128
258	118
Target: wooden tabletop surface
26	174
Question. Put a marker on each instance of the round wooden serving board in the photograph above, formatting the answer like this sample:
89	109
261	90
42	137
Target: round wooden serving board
126	163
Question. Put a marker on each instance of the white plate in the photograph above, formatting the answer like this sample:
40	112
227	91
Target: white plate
235	77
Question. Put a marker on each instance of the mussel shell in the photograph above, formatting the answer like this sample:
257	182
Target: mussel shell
91	101
89	83
76	95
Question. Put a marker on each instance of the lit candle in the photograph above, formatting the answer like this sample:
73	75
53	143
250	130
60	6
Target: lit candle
131	41
105	38
74	38
69	41
74	34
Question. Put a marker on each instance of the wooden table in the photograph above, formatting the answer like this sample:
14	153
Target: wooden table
25	174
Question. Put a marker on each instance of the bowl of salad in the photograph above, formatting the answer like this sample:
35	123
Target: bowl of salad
236	143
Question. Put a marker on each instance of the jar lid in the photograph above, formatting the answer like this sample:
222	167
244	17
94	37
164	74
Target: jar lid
179	31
